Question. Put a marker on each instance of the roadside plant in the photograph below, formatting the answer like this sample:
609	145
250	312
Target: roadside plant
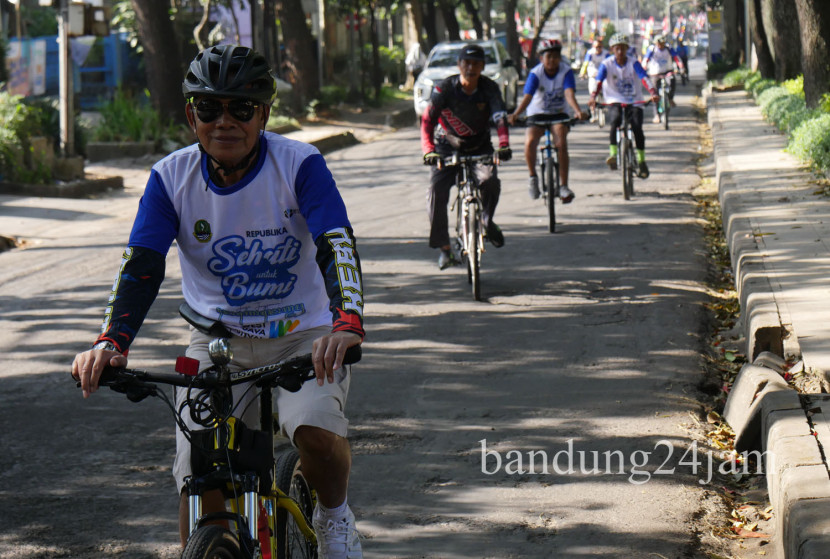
19	162
130	119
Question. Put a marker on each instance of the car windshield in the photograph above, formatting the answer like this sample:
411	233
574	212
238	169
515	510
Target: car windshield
449	57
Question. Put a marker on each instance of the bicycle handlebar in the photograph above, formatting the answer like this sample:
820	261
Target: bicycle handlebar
288	373
635	103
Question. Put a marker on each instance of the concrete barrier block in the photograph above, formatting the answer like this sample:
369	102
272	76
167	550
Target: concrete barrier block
803	513
771	361
780	424
742	410
787	453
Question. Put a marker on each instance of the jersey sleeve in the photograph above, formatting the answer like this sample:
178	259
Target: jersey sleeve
133	292
569	82
340	264
319	200
156	223
532	84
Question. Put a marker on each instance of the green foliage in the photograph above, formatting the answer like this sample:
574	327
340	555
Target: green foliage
782	108
125	119
756	85
795	86
738	76
811	142
824	105
40	20
18	162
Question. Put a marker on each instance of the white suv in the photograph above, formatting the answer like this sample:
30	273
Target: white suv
443	62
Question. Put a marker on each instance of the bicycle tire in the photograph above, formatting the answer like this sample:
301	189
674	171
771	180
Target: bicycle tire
601	117
474	255
632	167
212	542
549	175
289	478
627	172
664	97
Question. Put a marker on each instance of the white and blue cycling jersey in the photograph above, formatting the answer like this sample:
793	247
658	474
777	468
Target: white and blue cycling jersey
593	59
622	84
242	248
549	91
659	61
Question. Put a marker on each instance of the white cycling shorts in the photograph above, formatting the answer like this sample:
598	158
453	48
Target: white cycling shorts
313	405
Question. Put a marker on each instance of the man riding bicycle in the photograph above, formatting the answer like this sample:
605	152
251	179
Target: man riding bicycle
265	247
463	105
590	66
658	61
548	90
625	77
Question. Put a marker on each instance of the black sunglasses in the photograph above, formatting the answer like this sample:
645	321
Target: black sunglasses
209	110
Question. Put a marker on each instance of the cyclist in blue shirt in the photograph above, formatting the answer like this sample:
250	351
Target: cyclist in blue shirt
548	93
626	78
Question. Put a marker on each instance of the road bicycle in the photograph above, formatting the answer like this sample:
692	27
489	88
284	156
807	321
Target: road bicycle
271	502
664	105
469	221
626	155
549	167
599	111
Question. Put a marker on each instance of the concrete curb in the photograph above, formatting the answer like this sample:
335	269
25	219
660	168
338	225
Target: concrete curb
766	414
80	188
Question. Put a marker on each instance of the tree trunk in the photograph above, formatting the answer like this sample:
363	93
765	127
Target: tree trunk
781	25
269	32
200	32
766	65
532	58
472	10
416	12
448	12
376	71
814	17
430	25
733	44
162	59
299	64
512	37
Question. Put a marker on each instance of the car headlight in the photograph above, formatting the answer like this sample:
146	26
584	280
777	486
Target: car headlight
496	76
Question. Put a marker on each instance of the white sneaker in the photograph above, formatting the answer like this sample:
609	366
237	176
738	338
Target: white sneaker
533	187
566	194
336	539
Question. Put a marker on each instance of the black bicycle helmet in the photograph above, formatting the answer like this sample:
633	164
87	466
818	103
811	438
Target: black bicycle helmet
230	71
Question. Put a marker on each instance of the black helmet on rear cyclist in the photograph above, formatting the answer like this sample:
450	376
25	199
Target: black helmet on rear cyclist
231	71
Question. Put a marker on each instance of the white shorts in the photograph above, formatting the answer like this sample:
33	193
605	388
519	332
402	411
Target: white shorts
317	406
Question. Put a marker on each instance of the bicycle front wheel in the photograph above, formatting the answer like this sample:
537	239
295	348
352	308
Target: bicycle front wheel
552	189
291	542
600	116
212	542
627	169
664	99
474	250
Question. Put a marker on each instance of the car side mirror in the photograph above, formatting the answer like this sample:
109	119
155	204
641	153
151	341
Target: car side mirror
508	63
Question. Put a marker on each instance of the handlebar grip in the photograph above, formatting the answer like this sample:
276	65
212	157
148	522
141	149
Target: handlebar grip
353	355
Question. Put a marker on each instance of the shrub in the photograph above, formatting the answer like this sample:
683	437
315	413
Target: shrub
811	142
18	161
795	86
757	87
125	119
738	76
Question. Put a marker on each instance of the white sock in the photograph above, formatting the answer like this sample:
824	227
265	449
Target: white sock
336	513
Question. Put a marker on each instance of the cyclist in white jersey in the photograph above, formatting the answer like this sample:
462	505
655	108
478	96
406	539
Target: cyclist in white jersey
624	79
548	95
265	247
590	66
658	60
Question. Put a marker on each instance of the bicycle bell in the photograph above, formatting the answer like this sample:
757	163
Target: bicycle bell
220	352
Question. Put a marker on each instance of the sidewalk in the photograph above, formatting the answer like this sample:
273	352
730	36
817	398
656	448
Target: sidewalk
778	231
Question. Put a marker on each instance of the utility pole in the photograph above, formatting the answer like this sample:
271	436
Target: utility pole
67	102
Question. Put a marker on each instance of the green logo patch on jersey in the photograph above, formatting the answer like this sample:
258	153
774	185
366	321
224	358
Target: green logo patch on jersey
201	230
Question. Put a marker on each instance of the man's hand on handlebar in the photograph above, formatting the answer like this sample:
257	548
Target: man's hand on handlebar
328	351
503	154
432	158
88	365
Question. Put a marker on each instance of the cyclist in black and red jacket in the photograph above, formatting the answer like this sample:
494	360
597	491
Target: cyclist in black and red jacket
461	107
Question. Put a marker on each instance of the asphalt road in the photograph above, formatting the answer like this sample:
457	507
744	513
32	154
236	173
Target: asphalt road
585	345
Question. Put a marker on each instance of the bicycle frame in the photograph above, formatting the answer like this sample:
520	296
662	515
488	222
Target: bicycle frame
218	446
469	225
626	159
